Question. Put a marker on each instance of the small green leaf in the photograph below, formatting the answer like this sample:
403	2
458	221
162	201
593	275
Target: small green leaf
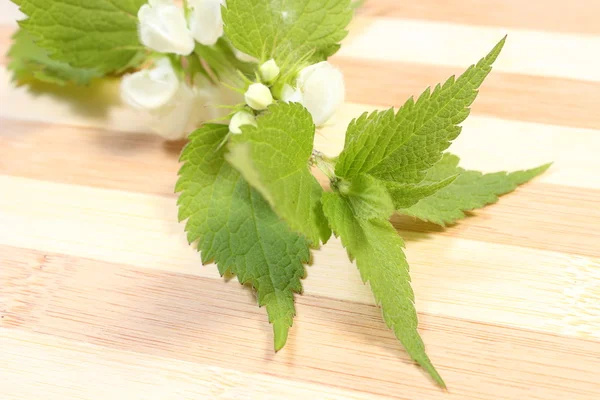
286	29
470	190
235	227
29	62
402	147
377	249
406	194
368	197
97	34
273	157
223	62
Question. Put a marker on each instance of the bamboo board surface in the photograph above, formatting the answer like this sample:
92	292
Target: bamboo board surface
102	298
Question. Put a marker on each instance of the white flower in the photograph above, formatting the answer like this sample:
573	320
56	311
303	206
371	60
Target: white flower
322	89
175	107
150	88
291	95
258	96
184	113
269	70
163	28
241	118
205	20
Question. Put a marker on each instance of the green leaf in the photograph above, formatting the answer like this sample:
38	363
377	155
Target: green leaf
377	249
223	62
368	197
97	34
470	190
357	4
273	157
235	227
29	62
406	194
402	147
286	29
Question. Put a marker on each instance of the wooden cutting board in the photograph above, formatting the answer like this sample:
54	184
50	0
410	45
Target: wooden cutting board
102	298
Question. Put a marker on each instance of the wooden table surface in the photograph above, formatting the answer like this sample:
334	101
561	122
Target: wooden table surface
102	298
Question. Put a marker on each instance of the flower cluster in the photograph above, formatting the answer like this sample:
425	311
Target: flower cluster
318	87
163	26
178	103
175	106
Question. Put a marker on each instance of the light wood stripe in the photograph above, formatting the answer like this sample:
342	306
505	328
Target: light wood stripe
91	372
181	317
526	52
141	230
510	96
9	13
576	16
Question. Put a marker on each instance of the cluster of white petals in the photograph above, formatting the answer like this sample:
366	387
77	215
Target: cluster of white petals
163	26
320	88
205	20
175	107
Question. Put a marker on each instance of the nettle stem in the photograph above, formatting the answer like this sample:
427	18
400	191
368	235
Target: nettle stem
324	163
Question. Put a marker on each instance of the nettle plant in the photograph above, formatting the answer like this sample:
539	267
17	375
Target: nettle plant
246	188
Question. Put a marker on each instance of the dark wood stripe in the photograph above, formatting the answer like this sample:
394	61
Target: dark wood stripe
575	16
546	100
536	215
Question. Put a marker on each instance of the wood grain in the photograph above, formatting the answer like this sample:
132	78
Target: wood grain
83	370
104	232
101	296
525	52
163	312
531	98
540	15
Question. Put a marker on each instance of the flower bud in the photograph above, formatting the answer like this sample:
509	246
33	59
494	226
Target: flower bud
241	118
162	27
205	20
258	96
150	88
322	87
269	70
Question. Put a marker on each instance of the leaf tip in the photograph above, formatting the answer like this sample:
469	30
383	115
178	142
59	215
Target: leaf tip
543	168
430	369
280	334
